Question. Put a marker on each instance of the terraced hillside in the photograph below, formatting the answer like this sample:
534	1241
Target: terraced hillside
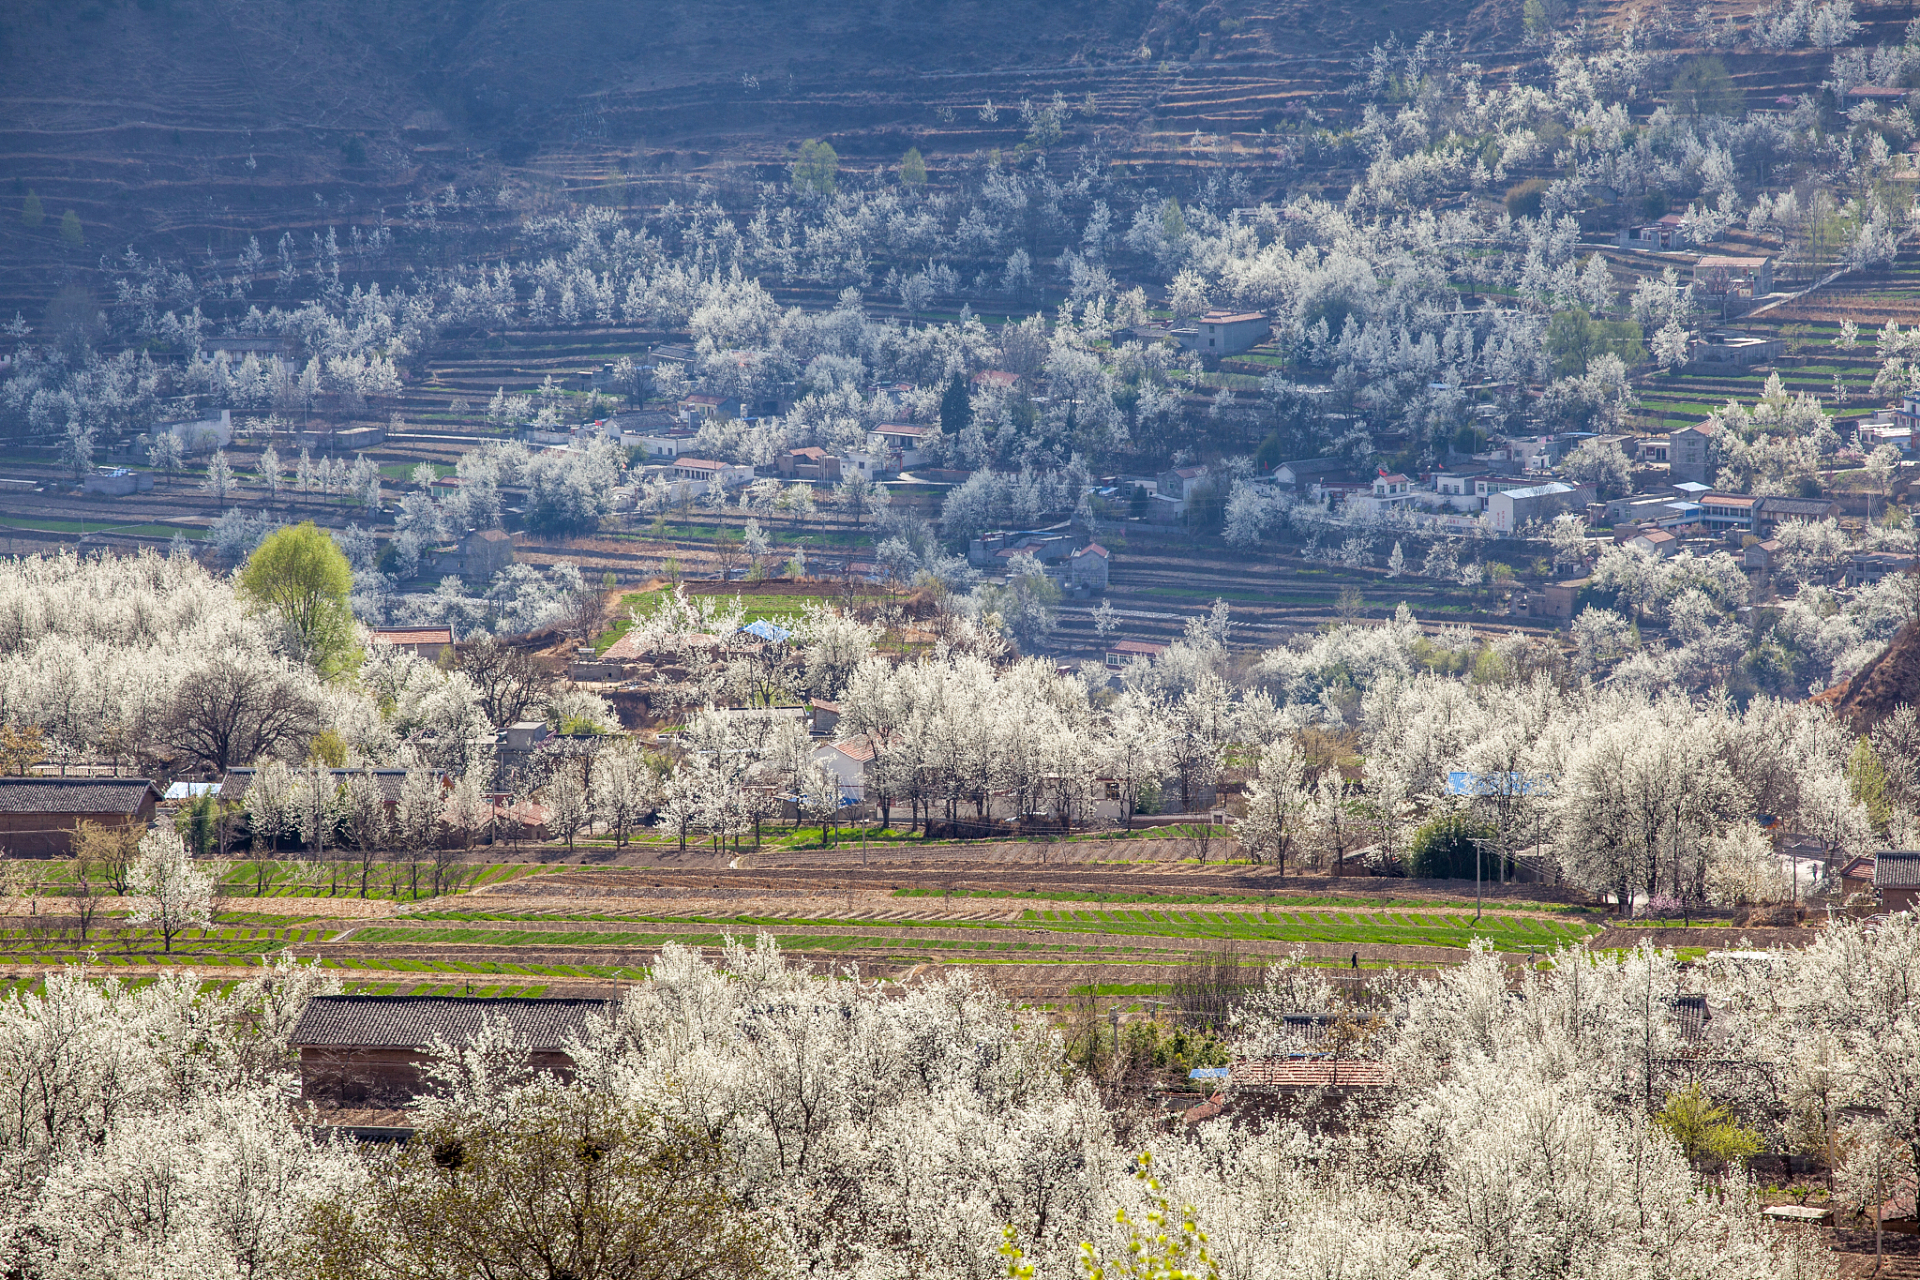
196	125
1811	326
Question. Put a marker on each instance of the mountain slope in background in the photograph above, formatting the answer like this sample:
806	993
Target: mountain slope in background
182	126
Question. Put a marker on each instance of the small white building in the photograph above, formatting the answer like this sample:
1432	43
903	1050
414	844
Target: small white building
1180	482
1221	332
1460	490
1087	568
1389	493
662	446
201	435
1510	510
117	482
703	475
903	443
848	761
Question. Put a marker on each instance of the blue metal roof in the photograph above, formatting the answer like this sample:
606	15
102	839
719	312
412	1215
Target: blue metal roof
1462	783
767	631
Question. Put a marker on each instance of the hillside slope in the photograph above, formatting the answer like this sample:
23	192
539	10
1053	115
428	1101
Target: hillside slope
183	127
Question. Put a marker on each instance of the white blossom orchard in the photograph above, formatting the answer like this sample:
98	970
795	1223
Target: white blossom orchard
875	1134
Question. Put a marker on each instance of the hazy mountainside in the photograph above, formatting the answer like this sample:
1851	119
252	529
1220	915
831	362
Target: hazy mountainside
183	127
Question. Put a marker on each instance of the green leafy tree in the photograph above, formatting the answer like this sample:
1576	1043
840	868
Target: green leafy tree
1867	778
1542	16
1443	849
1703	88
32	213
1706	1132
956	407
1173	223
1574	338
1271	452
1167	1245
913	169
816	167
299	575
558	1183
70	230
1524	198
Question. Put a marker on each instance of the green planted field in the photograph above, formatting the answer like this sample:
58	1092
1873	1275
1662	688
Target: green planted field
782	610
388	881
1368	928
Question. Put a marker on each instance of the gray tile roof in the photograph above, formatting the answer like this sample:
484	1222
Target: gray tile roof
1897	870
415	1022
1775	505
74	795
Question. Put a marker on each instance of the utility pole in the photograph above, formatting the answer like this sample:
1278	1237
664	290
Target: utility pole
1479	849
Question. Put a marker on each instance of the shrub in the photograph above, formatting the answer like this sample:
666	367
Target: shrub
1523	199
1443	849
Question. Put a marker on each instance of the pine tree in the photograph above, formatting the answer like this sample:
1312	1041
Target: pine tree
956	409
70	230
913	169
31	211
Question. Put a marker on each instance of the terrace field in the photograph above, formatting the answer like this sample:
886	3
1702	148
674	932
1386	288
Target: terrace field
1077	923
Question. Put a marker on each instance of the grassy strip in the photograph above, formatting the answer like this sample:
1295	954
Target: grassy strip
1304	899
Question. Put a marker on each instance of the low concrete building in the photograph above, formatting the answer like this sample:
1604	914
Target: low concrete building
663	444
1463	489
477	556
1724	346
1122	652
117	482
1389	493
201	435
1871	435
1727	512
709	406
1664	234
370	1051
1879	94
904	444
1552	603
1896	878
1180	482
425	642
1221	332
811	463
848	762
1907	415
38	816
1300	474
515	745
1087	568
704	475
1863	568
1655	542
1048	546
1510	510
1723	276
1770	512
340	442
